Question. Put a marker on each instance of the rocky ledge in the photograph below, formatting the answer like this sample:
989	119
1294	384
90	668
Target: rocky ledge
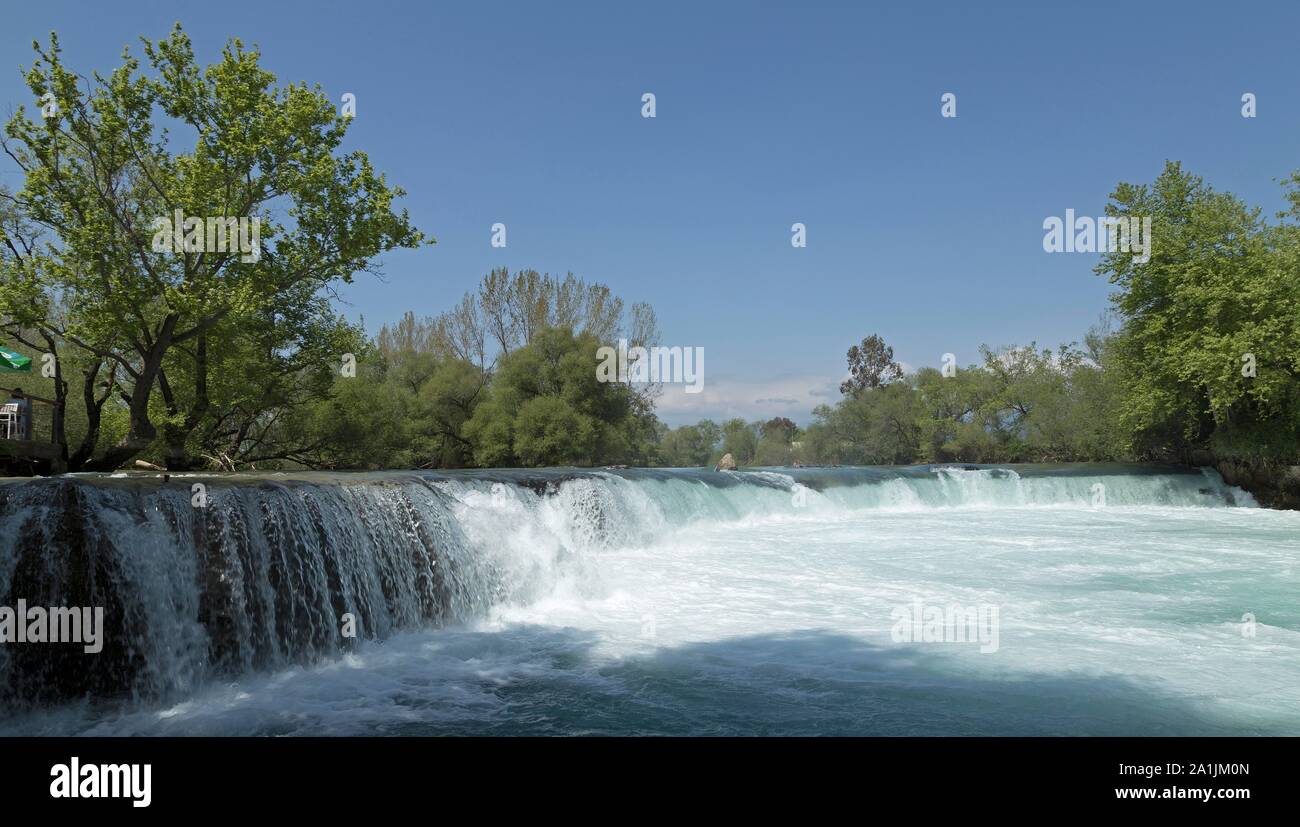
1274	485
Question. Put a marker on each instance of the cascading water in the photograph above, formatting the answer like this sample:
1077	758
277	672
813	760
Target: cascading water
248	575
259	575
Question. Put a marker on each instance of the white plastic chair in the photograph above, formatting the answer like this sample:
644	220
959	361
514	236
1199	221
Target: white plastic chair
9	418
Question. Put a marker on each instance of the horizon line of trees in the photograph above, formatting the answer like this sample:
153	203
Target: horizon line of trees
1199	355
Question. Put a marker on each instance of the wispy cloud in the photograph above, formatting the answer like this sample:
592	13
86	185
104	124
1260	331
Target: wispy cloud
723	398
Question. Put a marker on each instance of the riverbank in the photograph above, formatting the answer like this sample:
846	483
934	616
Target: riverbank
1274	485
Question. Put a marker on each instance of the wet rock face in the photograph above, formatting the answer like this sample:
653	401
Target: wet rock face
260	577
727	463
1273	485
57	559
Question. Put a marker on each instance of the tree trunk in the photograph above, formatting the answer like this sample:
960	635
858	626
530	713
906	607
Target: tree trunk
176	436
141	433
94	411
58	417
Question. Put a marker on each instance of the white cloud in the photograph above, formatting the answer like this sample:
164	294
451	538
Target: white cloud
789	396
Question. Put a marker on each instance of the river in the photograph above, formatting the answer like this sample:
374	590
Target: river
1098	600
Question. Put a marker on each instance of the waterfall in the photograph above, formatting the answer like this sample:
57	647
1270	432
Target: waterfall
206	578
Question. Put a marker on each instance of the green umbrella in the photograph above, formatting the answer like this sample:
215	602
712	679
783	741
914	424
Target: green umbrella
10	361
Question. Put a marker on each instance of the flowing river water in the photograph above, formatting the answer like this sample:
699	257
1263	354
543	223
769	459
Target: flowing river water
1103	600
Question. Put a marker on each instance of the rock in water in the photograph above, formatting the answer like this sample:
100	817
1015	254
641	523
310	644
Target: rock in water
727	463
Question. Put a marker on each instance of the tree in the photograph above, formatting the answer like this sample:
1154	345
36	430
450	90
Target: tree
260	374
776	442
35	318
690	446
779	428
954	415
104	181
545	406
740	439
881	427
871	365
710	435
1209	349
507	312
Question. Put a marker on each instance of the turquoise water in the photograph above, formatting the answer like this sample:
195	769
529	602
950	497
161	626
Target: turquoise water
772	603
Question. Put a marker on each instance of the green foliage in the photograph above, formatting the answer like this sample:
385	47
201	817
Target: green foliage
877	427
1207	355
871	365
1021	405
690	446
100	172
740	439
546	407
1221	289
548	431
215	358
364	424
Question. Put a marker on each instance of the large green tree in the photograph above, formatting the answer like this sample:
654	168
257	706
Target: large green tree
100	170
871	364
1209	350
546	406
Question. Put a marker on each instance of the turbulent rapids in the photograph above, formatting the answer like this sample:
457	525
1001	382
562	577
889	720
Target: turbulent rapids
211	582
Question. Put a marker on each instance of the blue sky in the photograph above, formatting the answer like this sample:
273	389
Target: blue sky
925	230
